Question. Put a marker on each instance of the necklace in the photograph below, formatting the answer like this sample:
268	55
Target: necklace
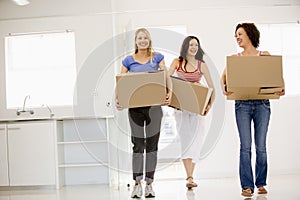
190	66
193	65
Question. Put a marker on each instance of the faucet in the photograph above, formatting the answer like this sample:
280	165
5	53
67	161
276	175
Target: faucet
27	97
50	111
23	109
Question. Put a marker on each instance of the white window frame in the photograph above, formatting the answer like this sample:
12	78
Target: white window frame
42	65
284	39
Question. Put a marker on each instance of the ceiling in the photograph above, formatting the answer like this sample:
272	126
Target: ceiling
45	8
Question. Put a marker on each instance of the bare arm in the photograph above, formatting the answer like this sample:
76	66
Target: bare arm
208	80
223	81
119	107
123	70
210	84
174	66
224	84
162	66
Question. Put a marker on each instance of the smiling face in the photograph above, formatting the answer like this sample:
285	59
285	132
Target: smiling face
242	38
193	47
142	40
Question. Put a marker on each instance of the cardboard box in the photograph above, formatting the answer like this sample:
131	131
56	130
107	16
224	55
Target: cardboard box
188	96
141	89
254	77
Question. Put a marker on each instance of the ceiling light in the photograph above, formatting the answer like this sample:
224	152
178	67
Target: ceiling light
21	2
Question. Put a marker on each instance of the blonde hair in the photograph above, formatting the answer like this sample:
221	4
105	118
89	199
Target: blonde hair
149	50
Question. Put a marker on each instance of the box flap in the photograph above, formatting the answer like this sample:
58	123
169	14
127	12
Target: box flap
247	93
270	90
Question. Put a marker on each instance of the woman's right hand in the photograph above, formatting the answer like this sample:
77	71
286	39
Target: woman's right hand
167	101
225	92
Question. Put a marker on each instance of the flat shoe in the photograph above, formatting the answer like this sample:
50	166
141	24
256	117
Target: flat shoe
262	190
247	192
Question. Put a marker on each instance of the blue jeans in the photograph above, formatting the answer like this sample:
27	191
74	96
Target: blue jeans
259	112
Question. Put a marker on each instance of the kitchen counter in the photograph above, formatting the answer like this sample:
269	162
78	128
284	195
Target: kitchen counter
59	118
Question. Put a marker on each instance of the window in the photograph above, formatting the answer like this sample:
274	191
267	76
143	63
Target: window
169	140
168	127
284	39
41	65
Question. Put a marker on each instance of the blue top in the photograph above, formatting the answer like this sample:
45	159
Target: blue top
134	66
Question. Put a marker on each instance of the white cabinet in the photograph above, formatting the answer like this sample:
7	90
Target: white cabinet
54	153
4	181
83	152
31	153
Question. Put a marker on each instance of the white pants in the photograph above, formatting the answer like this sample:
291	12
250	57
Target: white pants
190	127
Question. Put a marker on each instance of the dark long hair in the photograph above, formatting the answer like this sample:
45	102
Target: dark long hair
184	48
252	32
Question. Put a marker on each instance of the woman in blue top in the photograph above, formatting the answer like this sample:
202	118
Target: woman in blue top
145	122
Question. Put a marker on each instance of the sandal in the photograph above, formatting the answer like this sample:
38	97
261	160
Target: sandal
262	190
247	192
190	184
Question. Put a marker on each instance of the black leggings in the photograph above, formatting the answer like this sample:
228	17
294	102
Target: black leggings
145	125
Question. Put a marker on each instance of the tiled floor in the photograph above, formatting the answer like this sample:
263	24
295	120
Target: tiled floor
283	187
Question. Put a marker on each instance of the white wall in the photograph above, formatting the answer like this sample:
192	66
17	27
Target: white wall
46	8
92	26
213	23
215	28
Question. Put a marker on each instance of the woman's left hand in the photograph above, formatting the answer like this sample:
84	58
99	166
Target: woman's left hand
167	101
207	109
281	93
